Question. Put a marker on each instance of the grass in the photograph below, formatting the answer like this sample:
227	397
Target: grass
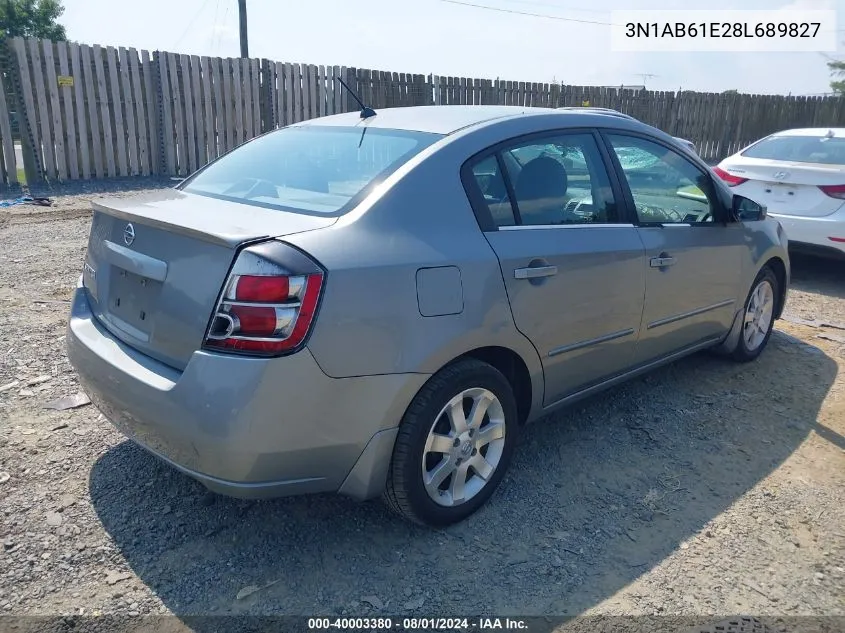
21	176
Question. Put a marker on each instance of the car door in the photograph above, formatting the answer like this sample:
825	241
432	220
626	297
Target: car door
574	272
693	256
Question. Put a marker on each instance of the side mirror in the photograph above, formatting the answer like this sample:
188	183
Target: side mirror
746	210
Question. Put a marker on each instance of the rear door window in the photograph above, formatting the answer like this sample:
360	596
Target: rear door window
560	180
309	169
491	182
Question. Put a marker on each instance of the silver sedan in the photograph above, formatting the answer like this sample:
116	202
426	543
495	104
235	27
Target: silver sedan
375	305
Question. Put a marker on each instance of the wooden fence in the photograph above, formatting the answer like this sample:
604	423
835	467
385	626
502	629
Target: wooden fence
98	112
8	162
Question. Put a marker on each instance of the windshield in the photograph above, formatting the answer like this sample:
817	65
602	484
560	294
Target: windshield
309	169
800	149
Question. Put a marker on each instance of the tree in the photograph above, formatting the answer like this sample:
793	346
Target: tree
837	69
32	18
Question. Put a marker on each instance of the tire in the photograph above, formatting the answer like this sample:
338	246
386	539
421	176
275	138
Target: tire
750	347
406	492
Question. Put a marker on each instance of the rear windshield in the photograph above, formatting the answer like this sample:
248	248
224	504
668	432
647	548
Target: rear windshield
310	169
800	149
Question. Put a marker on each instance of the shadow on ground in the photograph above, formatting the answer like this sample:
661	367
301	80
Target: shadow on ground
818	275
595	498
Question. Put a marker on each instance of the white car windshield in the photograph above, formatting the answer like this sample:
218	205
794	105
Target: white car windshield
309	169
800	149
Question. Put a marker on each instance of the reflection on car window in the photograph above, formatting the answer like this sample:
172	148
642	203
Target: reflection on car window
560	180
309	169
635	158
492	185
666	187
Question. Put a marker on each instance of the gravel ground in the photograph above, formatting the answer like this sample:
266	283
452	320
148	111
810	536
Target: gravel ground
705	488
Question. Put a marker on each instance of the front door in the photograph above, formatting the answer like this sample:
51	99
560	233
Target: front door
574	274
693	258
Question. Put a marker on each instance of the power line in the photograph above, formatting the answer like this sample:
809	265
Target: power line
214	26
220	35
543	15
191	23
533	15
555	6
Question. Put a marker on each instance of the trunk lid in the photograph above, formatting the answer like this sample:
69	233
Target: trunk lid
156	264
788	188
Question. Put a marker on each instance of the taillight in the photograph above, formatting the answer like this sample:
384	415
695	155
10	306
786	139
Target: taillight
248	287
834	191
268	302
730	179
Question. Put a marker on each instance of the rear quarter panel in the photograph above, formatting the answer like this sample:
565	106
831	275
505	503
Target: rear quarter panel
369	320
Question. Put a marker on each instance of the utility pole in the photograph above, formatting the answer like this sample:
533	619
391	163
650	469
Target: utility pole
242	16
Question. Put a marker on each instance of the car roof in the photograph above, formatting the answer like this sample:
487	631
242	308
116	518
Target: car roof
443	119
813	131
596	110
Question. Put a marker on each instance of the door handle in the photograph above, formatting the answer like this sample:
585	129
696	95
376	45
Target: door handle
534	272
662	262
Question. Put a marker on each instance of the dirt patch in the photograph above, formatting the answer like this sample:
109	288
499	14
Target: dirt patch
704	488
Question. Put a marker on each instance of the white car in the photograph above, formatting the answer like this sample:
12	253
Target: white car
800	176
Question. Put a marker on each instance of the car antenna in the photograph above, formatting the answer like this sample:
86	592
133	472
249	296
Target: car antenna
366	112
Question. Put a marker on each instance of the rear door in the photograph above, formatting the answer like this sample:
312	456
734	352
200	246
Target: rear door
573	270
693	257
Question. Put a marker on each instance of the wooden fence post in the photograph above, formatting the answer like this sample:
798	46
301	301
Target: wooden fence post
25	108
268	94
9	171
156	76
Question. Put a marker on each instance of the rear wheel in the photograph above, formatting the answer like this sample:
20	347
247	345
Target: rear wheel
758	317
454	444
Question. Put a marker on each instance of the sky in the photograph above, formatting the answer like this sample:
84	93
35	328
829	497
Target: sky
443	38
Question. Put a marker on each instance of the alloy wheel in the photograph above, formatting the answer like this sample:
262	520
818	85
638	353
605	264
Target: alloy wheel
463	447
758	315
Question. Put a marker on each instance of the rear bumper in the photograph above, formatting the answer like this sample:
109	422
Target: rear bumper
245	427
814	233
